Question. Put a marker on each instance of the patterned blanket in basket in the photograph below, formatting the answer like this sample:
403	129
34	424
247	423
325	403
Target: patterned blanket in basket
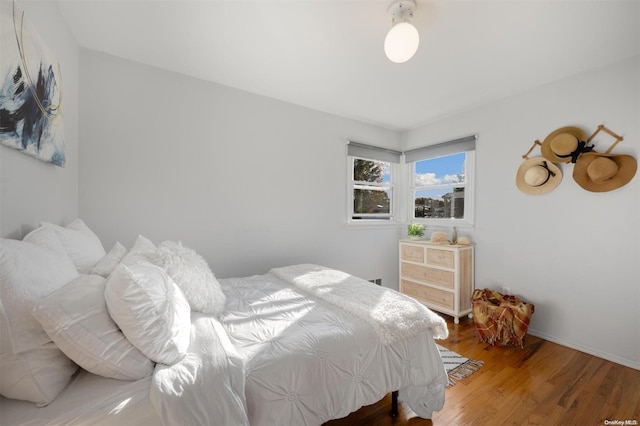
499	318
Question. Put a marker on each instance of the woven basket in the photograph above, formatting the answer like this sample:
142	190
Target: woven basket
500	319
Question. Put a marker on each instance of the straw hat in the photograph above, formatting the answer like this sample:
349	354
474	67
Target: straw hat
598	172
565	145
538	176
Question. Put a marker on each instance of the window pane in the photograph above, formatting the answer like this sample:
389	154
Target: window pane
371	171
368	201
439	203
440	171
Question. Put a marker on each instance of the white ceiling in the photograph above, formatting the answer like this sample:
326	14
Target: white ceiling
328	54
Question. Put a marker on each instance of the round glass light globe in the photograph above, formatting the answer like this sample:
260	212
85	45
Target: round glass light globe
401	42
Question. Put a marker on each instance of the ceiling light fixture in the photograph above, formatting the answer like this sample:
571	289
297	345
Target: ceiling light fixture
402	40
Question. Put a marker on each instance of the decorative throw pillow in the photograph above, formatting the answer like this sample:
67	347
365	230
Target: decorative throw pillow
77	320
107	264
150	310
81	244
192	274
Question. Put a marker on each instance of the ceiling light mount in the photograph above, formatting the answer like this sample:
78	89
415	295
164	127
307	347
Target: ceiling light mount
402	40
401	10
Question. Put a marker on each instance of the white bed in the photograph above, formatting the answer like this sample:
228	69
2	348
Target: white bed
283	354
308	362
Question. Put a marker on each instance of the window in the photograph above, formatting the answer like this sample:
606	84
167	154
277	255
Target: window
371	183
372	190
441	187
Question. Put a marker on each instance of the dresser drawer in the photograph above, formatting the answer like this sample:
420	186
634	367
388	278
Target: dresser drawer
428	294
412	253
426	274
442	258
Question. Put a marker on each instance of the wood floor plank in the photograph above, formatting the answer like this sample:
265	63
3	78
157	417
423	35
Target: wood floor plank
542	383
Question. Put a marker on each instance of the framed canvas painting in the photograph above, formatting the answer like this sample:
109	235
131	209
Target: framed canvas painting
30	91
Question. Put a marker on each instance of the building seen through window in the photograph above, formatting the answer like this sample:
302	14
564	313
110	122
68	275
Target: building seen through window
439	187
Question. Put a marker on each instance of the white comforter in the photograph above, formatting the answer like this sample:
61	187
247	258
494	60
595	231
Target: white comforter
278	356
392	315
308	361
207	386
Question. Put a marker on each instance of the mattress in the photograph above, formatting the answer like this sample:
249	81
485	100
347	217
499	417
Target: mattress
306	362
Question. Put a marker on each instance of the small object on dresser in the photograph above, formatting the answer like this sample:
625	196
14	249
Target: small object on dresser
465	241
415	231
439	238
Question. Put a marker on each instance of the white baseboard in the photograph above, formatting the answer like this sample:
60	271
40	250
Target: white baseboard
609	357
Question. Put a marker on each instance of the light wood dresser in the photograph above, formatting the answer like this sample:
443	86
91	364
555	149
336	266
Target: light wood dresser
438	275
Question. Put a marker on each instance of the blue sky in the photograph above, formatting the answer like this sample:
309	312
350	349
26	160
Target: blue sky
435	171
438	171
442	167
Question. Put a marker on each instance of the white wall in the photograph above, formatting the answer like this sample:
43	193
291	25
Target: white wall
32	190
247	181
573	253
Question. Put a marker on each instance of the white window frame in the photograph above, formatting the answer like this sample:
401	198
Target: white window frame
469	202
356	150
374	218
402	182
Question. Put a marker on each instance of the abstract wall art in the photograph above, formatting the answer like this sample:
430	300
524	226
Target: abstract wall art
30	90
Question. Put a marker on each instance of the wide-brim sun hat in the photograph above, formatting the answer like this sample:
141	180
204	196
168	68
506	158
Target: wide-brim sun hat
538	176
598	172
564	144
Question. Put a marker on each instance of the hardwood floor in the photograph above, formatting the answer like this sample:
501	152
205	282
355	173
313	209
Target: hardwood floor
541	384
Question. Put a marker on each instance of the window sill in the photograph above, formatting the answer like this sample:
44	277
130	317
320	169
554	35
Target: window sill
372	224
444	223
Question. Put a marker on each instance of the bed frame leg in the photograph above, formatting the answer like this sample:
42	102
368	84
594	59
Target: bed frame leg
394	404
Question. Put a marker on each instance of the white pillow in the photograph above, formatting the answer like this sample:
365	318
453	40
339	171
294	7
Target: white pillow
150	310
81	244
142	244
32	368
141	250
37	375
77	320
30	270
107	264
192	274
